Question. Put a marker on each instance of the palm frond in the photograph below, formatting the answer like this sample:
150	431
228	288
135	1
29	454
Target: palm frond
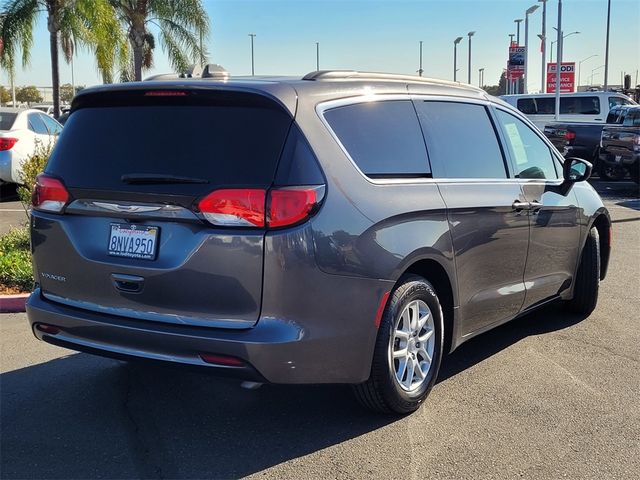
16	31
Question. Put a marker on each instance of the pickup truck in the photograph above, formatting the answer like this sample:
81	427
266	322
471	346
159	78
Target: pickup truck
582	140
620	143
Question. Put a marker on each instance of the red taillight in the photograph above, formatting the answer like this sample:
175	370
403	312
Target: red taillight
49	194
7	143
291	205
569	135
248	207
234	207
223	360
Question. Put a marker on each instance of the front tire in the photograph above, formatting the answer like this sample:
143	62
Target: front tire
408	350
587	283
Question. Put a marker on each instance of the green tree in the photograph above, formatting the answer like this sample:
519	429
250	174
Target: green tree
28	95
501	88
183	27
67	93
5	95
90	23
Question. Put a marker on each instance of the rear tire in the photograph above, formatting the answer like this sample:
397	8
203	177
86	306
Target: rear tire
389	388
611	172
587	282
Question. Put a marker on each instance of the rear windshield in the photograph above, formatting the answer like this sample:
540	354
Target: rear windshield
221	146
6	120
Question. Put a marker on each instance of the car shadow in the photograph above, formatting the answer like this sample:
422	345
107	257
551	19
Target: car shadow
82	416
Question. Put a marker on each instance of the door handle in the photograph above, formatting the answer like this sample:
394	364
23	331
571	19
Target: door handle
535	207
518	206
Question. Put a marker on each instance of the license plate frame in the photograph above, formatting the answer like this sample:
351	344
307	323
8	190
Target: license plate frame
122	241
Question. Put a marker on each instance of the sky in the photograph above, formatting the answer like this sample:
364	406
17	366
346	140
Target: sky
384	36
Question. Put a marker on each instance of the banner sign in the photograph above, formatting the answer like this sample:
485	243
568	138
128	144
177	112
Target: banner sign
515	67
567	77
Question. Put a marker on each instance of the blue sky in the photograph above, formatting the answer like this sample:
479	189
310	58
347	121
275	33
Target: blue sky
384	36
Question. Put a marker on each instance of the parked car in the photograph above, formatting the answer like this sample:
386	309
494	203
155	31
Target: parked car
20	130
582	140
620	142
574	107
340	228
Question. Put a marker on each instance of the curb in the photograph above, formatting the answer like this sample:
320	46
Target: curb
13	303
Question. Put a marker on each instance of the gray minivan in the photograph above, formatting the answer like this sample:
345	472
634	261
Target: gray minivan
343	227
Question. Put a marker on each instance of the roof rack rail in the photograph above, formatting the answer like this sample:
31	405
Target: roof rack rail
356	75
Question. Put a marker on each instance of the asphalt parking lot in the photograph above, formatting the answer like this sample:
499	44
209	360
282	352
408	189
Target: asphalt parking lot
550	395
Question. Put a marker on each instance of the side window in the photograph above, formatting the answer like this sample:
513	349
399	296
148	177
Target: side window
531	155
546	105
461	140
51	124
527	106
615	101
36	124
580	105
383	138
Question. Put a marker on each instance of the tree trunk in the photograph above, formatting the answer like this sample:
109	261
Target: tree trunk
136	38
55	72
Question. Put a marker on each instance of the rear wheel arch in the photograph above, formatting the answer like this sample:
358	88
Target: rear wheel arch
432	271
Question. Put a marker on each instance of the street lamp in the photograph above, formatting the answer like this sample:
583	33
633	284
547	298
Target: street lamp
317	55
481	77
420	68
455	57
563	37
580	66
252	35
517	22
529	11
593	73
543	46
511	35
606	51
470	34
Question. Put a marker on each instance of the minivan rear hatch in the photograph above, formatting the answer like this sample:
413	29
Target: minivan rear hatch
132	240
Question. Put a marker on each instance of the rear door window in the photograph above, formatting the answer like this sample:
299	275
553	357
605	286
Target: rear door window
383	138
531	155
461	140
224	146
36	124
580	105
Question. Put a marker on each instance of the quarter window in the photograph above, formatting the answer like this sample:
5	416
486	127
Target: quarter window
383	138
532	157
461	140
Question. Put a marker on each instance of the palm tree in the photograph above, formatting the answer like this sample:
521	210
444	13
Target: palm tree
90	23
182	25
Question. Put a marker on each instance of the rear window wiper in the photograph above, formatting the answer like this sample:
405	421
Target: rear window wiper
156	178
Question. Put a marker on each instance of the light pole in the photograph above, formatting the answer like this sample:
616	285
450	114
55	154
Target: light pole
556	41
606	50
593	73
317	56
558	61
508	78
511	35
420	68
543	46
529	11
455	57
480	77
580	66
253	72
517	22
470	34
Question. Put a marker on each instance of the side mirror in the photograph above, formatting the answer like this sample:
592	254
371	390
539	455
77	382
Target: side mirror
576	170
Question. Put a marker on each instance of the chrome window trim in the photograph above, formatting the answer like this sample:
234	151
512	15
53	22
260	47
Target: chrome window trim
373	97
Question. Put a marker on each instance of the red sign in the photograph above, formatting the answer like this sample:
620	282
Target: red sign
567	77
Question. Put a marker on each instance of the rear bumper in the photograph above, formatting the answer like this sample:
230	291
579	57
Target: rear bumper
622	159
275	350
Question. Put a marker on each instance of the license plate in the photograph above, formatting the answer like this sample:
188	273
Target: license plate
133	241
